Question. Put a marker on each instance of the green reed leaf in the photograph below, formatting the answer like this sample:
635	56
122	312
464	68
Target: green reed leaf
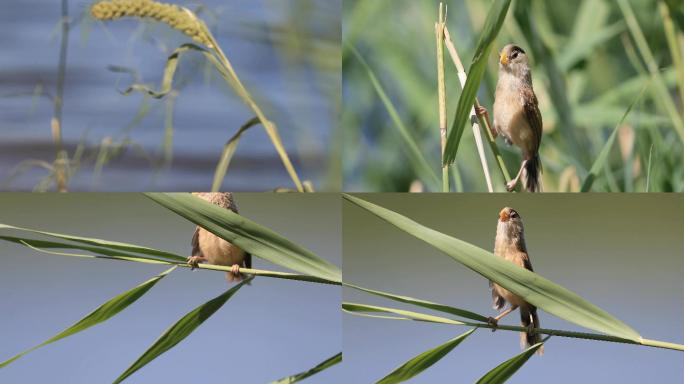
492	26
181	329
318	368
423	361
508	368
101	314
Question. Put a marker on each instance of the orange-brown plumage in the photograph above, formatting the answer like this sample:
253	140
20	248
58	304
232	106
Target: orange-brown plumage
211	249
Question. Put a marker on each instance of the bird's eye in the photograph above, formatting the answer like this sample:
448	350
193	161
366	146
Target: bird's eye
514	214
514	55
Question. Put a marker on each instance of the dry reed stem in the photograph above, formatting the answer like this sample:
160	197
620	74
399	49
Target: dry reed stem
441	92
473	116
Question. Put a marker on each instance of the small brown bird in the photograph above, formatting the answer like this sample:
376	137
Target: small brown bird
211	249
516	114
510	245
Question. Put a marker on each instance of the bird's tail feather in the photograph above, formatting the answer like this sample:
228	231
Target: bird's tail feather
528	315
532	173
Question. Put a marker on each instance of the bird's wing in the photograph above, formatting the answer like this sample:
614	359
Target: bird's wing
196	251
534	118
523	260
498	301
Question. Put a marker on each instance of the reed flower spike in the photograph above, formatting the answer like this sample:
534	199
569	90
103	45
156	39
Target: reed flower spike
177	17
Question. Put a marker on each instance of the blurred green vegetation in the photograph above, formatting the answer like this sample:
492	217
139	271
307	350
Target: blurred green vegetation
589	62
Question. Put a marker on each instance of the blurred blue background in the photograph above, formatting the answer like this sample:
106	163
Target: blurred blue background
286	52
268	330
620	252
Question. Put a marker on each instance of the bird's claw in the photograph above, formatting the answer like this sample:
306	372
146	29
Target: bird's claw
481	111
510	186
193	261
493	322
235	273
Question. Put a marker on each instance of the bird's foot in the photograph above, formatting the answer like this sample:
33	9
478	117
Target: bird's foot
481	111
510	186
234	273
193	261
493	322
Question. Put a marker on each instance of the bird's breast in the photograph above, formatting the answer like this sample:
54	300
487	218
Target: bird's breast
510	119
219	251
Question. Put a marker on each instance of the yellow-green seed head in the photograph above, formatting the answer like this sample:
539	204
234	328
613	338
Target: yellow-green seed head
176	17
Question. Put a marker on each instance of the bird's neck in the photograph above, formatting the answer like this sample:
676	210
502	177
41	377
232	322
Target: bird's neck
517	79
509	237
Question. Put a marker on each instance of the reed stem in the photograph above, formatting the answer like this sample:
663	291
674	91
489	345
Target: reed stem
61	158
441	94
483	122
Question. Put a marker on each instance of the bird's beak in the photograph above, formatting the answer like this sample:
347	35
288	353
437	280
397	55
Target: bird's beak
503	58
504	215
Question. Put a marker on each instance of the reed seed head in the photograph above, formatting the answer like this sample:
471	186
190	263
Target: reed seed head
179	18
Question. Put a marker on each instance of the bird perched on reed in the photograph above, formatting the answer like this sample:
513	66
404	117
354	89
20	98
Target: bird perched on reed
211	249
516	114
510	245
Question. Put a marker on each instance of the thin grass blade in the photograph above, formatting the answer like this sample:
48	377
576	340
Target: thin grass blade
492	26
418	161
423	361
318	368
248	235
170	71
228	152
532	287
181	329
356	308
600	161
103	244
101	314
422	303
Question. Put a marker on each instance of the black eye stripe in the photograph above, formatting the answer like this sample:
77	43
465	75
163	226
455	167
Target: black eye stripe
517	50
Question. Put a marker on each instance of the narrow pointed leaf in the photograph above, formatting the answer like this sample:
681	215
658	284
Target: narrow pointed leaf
101	314
532	287
423	361
111	245
105	253
509	367
420	165
495	18
422	303
318	368
248	235
228	152
356	308
181	329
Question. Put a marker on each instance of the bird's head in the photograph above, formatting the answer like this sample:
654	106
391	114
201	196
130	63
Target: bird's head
509	214
513	59
510	224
